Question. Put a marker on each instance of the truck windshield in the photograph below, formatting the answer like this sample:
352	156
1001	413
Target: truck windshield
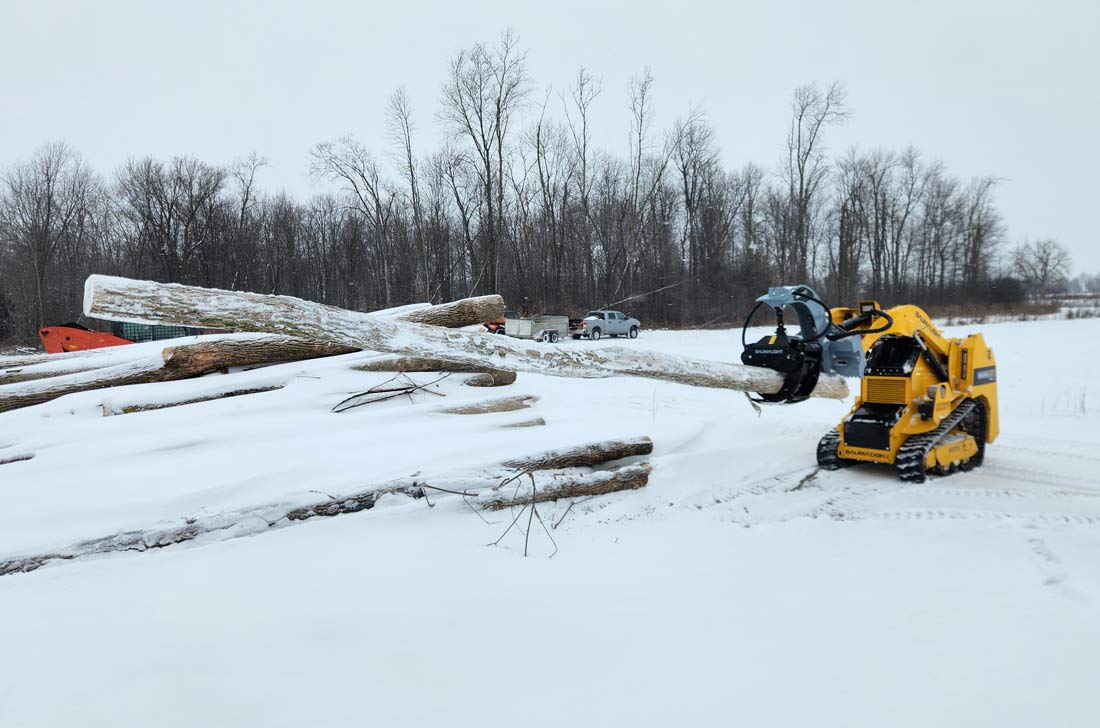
596	314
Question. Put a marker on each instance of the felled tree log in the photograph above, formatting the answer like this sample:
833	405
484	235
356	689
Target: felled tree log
536	422
630	477
148	368
226	394
591	454
497	377
123	299
31	373
248	522
210	356
21	457
501	404
461	313
175	362
482	487
41	366
22	360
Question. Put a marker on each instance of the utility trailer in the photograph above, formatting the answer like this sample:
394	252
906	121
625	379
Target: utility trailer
544	328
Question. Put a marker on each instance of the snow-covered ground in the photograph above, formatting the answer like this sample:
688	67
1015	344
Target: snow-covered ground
722	593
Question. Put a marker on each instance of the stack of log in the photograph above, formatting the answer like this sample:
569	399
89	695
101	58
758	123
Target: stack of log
290	329
34	379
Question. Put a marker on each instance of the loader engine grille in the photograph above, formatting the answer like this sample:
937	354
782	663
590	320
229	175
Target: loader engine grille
886	390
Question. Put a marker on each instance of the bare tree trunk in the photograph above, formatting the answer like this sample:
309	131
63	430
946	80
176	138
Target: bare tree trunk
148	302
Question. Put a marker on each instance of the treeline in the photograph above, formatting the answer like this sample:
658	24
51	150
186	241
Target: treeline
517	201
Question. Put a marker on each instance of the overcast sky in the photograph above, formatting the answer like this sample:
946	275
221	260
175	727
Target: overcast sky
995	87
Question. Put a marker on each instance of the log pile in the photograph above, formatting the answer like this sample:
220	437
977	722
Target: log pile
416	339
28	380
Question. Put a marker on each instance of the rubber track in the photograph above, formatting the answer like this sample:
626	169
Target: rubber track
827	448
914	452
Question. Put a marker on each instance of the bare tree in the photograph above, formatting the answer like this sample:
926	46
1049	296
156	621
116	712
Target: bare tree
1044	264
350	163
584	91
45	202
484	90
812	109
399	123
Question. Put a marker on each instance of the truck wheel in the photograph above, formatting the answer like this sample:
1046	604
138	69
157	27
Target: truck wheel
634	332
595	334
553	337
500	330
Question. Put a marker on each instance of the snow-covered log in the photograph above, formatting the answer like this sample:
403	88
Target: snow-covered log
594	453
536	422
630	477
39	366
481	488
500	404
226	393
235	524
148	368
497	377
123	299
174	362
460	313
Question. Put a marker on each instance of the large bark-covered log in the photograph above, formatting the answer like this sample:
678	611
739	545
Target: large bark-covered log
461	313
123	299
175	362
498	377
588	455
209	356
630	477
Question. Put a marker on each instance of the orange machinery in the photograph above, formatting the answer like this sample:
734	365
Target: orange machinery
74	337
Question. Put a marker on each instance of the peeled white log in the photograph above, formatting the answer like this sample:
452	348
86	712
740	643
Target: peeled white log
123	299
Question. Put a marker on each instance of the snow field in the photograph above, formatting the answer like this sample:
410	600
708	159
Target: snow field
724	592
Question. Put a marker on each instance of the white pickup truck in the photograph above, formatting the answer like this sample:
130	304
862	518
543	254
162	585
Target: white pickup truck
605	322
